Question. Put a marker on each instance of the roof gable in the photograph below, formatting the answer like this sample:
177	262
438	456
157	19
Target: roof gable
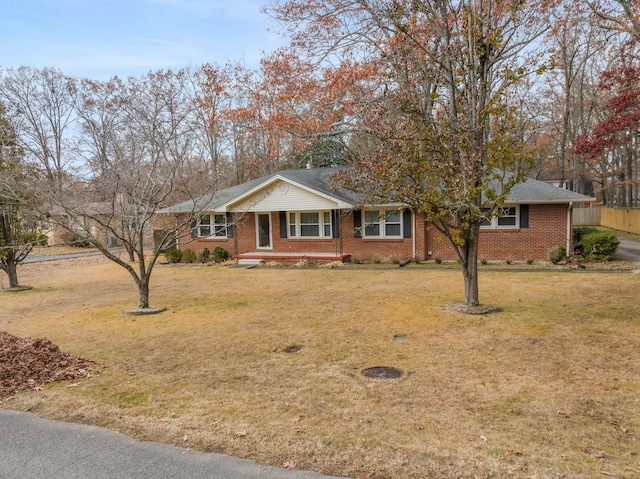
314	186
291	190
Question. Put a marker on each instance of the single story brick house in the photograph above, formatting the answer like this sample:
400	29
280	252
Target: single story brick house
297	214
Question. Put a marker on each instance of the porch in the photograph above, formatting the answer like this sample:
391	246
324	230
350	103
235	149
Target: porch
256	257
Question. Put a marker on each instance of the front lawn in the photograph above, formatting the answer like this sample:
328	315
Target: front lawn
266	364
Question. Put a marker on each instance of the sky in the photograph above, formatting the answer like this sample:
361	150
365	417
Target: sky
99	39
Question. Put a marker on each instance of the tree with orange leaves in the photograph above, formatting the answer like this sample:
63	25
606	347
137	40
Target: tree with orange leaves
432	117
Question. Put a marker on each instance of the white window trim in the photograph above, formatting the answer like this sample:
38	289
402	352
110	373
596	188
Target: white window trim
382	223
297	225
496	217
212	225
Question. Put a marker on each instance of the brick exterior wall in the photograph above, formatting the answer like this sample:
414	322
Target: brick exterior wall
547	228
365	249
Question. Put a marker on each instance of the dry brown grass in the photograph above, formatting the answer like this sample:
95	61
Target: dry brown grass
549	387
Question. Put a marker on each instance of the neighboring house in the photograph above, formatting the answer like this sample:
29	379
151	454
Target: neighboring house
92	217
58	234
297	214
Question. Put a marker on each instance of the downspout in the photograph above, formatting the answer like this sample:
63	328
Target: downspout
339	217
413	233
569	235
175	222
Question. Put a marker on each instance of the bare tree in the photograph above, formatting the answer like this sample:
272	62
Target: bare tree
140	141
18	222
570	94
41	107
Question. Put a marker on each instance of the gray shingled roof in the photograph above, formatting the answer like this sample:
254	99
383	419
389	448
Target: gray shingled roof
534	191
319	179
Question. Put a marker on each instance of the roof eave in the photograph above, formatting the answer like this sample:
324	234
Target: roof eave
551	201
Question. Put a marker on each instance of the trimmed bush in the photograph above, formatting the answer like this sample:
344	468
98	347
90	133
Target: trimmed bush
580	231
205	255
188	255
557	254
220	254
599	245
173	255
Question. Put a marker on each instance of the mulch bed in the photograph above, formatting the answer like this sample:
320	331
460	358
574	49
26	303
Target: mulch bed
30	363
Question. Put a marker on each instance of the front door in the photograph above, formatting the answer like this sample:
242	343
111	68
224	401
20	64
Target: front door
264	230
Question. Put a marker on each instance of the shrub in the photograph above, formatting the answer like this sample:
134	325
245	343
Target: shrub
357	259
599	245
581	231
205	255
173	255
78	242
557	254
395	259
37	239
188	255
220	254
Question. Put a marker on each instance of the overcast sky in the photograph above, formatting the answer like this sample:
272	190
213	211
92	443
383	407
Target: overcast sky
102	38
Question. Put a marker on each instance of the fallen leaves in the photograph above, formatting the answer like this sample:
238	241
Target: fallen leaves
30	363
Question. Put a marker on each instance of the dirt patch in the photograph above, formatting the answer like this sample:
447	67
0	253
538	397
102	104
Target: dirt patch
469	309
30	363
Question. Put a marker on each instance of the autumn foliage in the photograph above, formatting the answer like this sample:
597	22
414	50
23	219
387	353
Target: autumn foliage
613	139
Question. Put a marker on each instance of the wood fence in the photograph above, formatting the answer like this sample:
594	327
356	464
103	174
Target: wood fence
621	219
586	216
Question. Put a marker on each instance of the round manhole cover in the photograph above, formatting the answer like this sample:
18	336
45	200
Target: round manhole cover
382	372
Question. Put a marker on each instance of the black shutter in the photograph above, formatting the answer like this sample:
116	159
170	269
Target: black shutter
524	216
335	220
406	223
194	229
283	224
229	225
357	224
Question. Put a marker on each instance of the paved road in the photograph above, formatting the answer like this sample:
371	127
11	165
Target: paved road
34	258
34	448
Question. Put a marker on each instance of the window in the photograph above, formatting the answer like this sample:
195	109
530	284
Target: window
383	224
372	223
392	224
504	217
204	227
220	226
327	224
310	224
507	217
212	225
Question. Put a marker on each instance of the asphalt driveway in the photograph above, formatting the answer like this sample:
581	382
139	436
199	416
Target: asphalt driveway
628	250
34	448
